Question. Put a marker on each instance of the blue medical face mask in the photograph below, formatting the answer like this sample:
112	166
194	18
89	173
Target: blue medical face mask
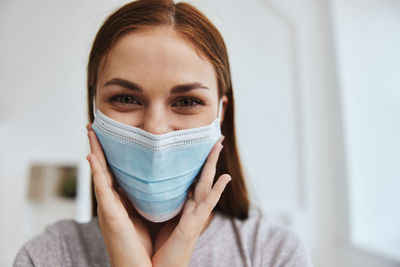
155	171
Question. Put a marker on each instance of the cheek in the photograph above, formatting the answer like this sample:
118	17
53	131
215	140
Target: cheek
128	118
194	121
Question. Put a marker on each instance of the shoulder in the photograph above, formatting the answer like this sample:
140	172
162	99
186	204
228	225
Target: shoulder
46	248
268	243
60	229
64	243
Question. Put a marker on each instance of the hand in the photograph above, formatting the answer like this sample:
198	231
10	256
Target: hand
127	240
126	236
178	248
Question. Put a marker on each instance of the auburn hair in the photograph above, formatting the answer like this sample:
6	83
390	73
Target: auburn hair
198	29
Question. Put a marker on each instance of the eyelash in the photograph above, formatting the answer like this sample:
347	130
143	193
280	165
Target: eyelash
121	97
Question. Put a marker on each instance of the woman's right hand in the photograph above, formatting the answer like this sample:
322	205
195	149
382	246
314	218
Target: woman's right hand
127	241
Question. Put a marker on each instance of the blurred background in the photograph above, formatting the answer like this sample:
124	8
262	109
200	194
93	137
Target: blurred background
317	90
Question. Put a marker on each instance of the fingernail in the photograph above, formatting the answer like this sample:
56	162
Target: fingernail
222	139
220	147
88	127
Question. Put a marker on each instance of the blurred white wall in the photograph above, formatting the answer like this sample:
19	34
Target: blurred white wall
44	47
288	66
368	55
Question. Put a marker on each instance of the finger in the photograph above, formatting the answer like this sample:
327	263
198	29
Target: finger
89	126
207	205
207	175
102	188
96	149
126	202
108	199
189	207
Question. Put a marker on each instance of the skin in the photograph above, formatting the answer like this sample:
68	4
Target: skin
155	59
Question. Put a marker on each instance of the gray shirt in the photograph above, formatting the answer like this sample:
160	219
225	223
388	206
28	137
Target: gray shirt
226	242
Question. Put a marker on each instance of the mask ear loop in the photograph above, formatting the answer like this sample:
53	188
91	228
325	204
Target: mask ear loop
220	110
94	107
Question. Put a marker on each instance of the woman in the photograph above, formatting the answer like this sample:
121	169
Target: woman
165	191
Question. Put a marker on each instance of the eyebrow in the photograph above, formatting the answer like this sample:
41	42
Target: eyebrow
181	88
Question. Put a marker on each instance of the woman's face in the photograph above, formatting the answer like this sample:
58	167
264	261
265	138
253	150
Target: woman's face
154	79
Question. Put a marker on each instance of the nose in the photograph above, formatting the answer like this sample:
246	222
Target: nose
155	120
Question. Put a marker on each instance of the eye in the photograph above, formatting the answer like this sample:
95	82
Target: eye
188	102
124	99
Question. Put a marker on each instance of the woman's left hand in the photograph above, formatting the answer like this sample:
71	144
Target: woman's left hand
178	248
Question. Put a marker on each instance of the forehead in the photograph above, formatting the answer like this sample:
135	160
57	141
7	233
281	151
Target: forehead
157	55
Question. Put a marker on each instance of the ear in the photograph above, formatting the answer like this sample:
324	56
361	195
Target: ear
225	102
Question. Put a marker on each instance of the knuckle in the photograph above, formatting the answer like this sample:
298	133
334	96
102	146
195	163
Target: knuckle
99	191
212	200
